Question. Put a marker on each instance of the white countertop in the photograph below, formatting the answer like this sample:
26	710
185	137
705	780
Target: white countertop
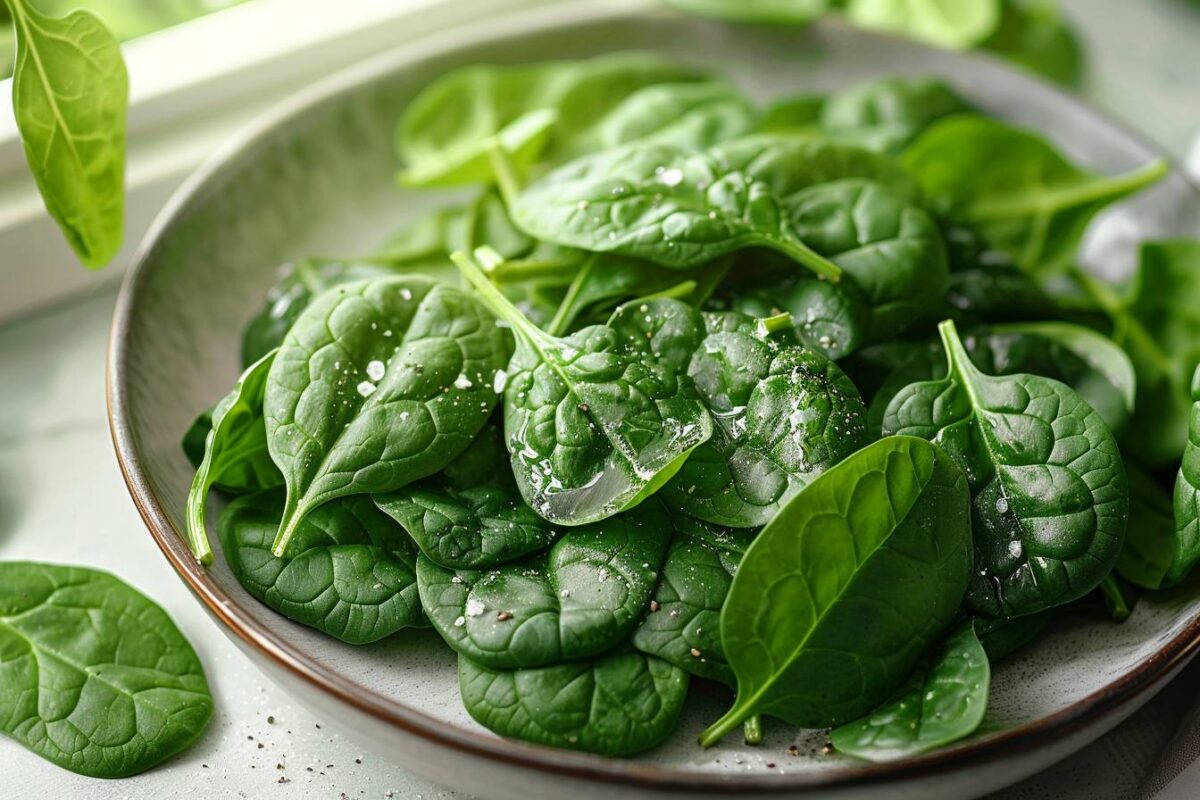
62	499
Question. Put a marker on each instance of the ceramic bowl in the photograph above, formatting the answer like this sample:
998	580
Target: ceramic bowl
316	178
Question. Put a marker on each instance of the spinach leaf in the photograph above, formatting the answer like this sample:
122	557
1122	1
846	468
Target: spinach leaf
828	318
782	415
885	114
987	286
195	436
582	598
235	452
1155	554
1034	34
1015	189
617	705
761	12
888	532
1187	497
660	202
1003	637
957	25
377	384
350	571
95	677
70	93
684	623
447	131
427	238
1117	597
600	420
941	702
470	515
1050	495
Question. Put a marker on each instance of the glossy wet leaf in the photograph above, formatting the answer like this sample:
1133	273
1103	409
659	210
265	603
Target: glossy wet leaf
1015	189
94	677
827	318
350	571
376	385
618	704
471	514
884	535
70	93
1050	497
599	420
683	625
1187	498
236	456
782	415
580	599
941	702
954	24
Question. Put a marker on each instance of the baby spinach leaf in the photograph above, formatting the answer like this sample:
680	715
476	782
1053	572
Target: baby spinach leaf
1116	596
471	514
70	93
761	12
886	532
987	286
195	437
957	25
350	572
94	677
1019	193
782	415
1003	637
235	452
1153	545
377	384
1034	34
428	237
600	420
660	202
1050	495
684	623
1187	498
827	318
619	704
885	114
582	598
941	702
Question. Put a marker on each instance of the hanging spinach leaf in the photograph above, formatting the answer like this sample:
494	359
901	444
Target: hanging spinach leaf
782	415
350	572
70	93
619	704
958	25
581	599
94	677
470	515
684	623
887	530
235	452
941	702
600	420
1015	189
1187	498
377	384
1050	494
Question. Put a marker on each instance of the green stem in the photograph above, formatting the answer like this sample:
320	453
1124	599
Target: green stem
522	269
717	731
806	256
489	295
197	531
506	174
677	292
753	731
566	313
1114	599
1125	325
776	323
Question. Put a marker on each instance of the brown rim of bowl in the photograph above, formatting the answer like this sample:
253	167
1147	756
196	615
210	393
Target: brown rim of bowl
1025	738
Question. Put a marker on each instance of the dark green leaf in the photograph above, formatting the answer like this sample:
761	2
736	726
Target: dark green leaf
1003	637
1152	543
885	114
1187	498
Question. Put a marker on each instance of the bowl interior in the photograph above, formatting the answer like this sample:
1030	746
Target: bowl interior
319	181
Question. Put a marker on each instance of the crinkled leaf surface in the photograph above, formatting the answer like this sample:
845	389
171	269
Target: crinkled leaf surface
828	318
886	113
884	535
580	599
1050	498
94	677
942	701
349	571
618	704
378	384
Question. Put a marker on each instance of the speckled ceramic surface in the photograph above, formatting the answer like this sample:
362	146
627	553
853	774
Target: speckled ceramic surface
317	180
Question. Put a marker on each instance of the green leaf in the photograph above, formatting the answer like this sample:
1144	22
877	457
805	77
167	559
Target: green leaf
599	420
235	452
1014	188
885	114
580	599
350	572
953	24
782	415
758	12
1187	498
471	514
885	535
1050	498
376	385
94	677
1152	544
1003	637
942	701
1034	34
684	623
616	705
70	92
828	319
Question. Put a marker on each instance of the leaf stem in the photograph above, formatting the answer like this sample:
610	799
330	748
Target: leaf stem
717	731
521	269
566	312
752	730
197	531
489	295
805	256
505	172
775	323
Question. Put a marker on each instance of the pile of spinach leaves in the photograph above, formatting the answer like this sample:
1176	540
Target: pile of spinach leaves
797	399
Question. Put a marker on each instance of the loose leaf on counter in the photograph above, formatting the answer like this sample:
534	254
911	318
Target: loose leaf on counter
886	532
94	677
